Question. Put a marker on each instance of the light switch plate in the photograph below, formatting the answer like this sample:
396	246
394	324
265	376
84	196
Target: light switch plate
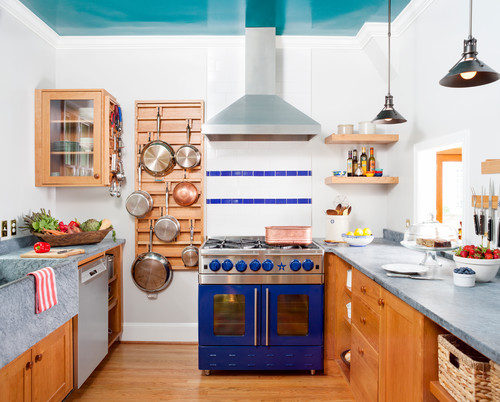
5	232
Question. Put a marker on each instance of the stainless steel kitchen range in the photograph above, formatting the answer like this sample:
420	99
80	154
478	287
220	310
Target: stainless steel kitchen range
260	306
216	208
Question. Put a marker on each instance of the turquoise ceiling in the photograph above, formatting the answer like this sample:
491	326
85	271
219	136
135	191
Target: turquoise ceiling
210	17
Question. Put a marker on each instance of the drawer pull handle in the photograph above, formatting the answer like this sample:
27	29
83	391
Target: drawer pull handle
363	289
363	320
29	365
38	357
381	302
361	351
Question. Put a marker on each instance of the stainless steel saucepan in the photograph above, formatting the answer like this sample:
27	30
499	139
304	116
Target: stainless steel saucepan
167	228
157	156
140	202
188	156
190	254
151	272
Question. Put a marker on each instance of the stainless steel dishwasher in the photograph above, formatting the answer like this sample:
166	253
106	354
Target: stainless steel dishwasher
92	319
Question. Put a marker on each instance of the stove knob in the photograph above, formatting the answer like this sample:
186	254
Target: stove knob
267	265
255	265
241	266
227	265
295	265
308	265
214	265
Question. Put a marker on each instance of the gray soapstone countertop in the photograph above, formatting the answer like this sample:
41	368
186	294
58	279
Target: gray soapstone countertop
20	327
471	314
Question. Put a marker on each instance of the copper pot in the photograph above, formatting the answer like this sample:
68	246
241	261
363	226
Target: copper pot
185	194
289	235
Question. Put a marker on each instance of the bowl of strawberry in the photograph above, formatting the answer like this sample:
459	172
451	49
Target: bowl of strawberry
484	261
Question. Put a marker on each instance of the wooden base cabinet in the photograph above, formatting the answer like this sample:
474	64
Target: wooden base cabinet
42	373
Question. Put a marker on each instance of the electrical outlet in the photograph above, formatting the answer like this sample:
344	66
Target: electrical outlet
13	227
5	232
407	223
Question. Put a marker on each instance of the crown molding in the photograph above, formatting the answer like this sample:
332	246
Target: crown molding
367	32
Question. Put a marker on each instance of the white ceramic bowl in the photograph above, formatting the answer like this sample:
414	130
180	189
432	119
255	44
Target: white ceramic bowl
463	280
486	270
357	241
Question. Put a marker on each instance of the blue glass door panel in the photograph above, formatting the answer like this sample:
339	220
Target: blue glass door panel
292	315
227	314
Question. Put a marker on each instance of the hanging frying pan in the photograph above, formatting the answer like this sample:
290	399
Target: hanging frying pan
151	271
188	156
190	254
185	193
140	202
167	228
157	157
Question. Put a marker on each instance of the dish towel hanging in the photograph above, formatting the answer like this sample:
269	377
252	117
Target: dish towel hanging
45	289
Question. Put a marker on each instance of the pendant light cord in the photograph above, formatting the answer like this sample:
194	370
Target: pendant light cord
389	50
470	21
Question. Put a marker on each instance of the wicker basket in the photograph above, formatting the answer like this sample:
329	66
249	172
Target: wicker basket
72	239
495	381
463	371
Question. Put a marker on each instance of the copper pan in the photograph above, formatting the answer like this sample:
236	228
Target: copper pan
289	235
185	193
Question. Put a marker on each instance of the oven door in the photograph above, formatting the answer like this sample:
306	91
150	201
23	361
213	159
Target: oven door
227	314
292	315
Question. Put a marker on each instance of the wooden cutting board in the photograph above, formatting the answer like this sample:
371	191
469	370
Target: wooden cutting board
54	253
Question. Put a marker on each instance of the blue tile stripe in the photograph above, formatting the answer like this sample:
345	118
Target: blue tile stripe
258	173
270	201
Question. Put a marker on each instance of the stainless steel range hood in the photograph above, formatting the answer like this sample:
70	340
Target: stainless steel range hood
260	115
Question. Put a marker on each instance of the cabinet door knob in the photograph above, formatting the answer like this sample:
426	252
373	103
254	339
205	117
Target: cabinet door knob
381	302
363	320
361	351
96	176
38	357
363	289
29	365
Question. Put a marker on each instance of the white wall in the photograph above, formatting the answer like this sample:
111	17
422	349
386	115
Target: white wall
434	43
28	62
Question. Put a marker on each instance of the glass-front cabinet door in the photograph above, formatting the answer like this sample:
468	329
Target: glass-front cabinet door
228	314
70	138
292	315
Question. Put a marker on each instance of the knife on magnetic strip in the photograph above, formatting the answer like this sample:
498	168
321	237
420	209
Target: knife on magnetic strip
490	212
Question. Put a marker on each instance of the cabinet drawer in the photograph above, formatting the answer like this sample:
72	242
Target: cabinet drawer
366	320
367	289
364	368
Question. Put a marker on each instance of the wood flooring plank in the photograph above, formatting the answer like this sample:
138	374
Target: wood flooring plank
152	372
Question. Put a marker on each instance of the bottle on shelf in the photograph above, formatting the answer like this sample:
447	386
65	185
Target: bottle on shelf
354	160
371	161
363	160
349	164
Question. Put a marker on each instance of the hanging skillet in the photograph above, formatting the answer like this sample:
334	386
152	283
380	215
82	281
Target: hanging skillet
167	228
185	193
157	157
190	254
188	156
151	271
140	202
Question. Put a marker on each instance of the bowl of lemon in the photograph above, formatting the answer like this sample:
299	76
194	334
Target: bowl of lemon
358	238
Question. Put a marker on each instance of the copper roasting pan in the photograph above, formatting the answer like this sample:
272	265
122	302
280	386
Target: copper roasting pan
289	235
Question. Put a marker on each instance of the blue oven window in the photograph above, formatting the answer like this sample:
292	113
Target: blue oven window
293	315
229	315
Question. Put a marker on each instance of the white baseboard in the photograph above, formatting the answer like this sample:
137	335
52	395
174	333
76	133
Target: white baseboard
160	332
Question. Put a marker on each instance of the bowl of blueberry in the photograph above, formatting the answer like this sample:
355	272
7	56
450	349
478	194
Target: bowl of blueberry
464	277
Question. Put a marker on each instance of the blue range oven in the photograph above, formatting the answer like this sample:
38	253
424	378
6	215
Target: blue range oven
261	309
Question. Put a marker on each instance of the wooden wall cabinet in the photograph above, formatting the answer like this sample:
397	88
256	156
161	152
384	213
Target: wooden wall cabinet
42	373
73	137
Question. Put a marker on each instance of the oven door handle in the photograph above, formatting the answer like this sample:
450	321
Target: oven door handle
255	304
267	316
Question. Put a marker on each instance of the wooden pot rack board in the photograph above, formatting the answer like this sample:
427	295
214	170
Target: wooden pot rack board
174	116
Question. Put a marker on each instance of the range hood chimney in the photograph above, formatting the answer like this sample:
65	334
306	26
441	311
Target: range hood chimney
260	115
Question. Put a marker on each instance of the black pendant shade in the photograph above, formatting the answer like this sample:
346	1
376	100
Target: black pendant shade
469	71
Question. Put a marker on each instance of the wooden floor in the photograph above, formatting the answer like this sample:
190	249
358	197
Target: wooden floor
142	372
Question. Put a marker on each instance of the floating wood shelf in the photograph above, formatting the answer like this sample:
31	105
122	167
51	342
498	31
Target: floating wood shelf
440	393
490	166
362	139
361	180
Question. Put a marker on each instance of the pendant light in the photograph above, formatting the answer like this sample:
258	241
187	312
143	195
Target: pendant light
469	71
388	115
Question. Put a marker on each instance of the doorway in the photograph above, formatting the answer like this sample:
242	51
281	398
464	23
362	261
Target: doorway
449	185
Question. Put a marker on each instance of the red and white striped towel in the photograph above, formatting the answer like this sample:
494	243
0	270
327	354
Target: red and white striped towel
45	289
